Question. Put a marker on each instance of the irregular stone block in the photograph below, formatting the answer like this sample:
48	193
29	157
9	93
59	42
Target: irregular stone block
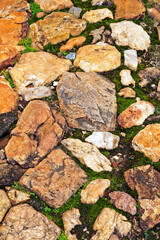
97	15
96	33
51	5
126	78
131	59
6	120
16	196
147	75
5	204
77	41
127	93
75	11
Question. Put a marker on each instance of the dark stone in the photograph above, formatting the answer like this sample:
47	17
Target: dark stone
6	120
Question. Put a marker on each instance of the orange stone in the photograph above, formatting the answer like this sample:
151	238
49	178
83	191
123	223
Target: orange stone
77	41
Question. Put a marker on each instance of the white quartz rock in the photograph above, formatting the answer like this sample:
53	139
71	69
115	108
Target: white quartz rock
131	59
126	78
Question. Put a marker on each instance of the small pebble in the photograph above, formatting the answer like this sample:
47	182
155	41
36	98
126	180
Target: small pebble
71	56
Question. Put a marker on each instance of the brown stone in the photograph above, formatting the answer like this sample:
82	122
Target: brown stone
77	41
147	141
4	204
55	28
40	14
128	9
94	191
8	97
38	131
147	75
6	120
55	179
23	222
146	181
88	101
107	222
51	5
98	57
36	69
16	196
10	173
127	92
154	13
70	220
135	114
123	201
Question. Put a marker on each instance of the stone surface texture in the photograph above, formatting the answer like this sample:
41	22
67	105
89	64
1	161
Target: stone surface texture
76	11
8	97
135	114
127	33
98	57
5	204
51	5
23	222
107	222
88	101
123	201
147	75
154	13
127	92
6	120
54	28
147	141
146	181
70	220
96	33
105	140
88	155
94	191
126	78
77	41
38	131
36	69
55	179
16	196
97	15
131	59
128	9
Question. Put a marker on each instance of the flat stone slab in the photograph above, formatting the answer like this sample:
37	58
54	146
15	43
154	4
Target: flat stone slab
146	181
55	28
88	101
23	222
51	5
38	131
55	179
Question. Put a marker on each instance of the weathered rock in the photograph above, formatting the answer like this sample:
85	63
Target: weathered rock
10	173
70	220
147	141
98	2
135	114
128	9
127	33
6	120
154	13
123	201
8	97
55	179
38	131
77	41
94	191
75	11
146	181
97	15
88	101
126	78
147	75
4	204
55	28
98	57
107	222
106	37
23	222
51	5
34	71
18	10
8	56
88	154
131	59
105	140
96	33
16	196
127	92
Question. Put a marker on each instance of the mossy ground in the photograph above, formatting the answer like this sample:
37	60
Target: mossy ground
132	158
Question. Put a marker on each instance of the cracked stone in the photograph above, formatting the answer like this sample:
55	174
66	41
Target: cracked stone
55	179
16	196
88	101
146	181
97	15
88	154
5	204
36	69
55	28
38	131
51	5
23	222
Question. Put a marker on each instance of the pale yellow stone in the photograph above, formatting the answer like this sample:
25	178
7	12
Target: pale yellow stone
97	15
